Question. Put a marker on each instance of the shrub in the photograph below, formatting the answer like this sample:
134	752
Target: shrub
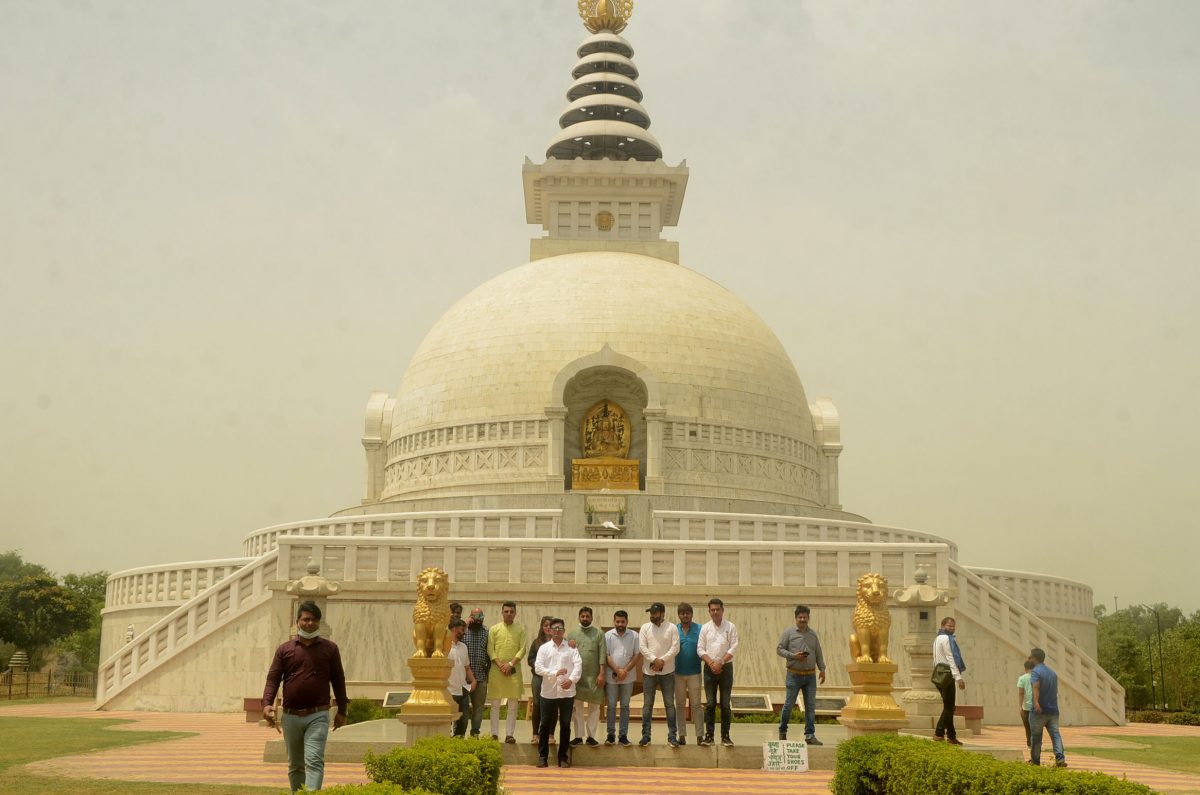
444	765
372	789
1161	716
364	709
899	765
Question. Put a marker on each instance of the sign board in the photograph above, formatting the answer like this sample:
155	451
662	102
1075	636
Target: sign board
395	698
606	504
785	755
750	702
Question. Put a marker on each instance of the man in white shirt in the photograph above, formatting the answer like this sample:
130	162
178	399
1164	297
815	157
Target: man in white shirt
462	679
621	645
716	647
947	656
560	667
658	641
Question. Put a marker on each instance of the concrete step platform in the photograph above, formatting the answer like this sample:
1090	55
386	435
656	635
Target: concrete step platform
351	744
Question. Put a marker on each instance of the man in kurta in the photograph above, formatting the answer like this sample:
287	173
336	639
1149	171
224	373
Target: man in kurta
589	693
506	648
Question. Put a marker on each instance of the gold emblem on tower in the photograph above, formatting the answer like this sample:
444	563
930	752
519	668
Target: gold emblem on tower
605	436
610	15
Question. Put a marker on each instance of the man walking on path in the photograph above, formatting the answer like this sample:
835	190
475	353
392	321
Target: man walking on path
1045	710
801	647
506	647
946	653
687	675
621	647
589	693
560	668
658	642
476	638
716	647
462	680
307	666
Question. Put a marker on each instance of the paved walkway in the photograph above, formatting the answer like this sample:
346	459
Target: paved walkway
238	746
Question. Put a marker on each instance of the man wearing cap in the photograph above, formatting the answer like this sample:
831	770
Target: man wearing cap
621	647
687	675
658	642
476	638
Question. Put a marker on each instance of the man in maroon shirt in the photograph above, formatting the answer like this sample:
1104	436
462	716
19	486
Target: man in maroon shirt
306	665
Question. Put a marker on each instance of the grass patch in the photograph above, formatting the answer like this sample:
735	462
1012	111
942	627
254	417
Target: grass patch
16	702
26	739
1168	753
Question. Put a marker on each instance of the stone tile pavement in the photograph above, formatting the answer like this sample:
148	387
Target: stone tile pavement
226	750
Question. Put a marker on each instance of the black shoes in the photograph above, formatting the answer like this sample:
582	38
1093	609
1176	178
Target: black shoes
577	741
813	741
609	740
510	739
706	741
727	741
624	741
683	741
542	762
564	763
592	742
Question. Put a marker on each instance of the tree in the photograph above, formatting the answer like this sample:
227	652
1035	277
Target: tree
1129	645
83	646
14	567
35	611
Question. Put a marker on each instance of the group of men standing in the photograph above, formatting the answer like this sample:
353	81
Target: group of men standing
573	676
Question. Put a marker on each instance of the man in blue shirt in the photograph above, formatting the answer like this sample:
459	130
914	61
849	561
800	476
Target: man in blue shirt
1045	710
687	675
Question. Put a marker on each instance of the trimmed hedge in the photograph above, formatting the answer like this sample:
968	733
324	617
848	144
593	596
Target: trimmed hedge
900	765
442	765
1159	716
372	789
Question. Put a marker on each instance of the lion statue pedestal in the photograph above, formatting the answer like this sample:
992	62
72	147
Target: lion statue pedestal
430	709
872	708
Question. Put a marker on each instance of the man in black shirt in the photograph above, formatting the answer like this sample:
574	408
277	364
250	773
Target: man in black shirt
306	666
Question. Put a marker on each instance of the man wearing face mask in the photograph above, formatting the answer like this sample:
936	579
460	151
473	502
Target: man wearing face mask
476	638
307	666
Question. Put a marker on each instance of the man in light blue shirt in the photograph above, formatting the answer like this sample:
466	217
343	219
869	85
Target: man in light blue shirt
623	656
1025	693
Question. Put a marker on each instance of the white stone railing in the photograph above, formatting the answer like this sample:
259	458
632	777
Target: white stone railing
1016	624
611	562
173	583
709	526
531	523
187	624
1047	596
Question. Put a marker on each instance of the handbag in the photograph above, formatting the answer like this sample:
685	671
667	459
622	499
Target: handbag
941	676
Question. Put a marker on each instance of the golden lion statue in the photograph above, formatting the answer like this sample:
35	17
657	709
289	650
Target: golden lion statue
869	641
431	614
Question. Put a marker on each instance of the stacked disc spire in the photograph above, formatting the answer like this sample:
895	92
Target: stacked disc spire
605	119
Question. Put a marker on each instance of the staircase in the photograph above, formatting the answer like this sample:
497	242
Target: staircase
215	607
1092	692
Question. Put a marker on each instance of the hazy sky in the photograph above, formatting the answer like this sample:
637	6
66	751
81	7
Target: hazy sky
972	225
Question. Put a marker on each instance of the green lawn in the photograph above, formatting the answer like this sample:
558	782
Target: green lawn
27	740
1169	753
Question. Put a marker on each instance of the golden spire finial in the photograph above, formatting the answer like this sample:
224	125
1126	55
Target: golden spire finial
610	15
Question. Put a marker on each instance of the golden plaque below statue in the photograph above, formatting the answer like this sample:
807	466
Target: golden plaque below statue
604	473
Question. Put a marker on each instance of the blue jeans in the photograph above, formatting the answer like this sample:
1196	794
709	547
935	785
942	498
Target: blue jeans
618	691
304	737
800	683
1050	723
715	684
651	683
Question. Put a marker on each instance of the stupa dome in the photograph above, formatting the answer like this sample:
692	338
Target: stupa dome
564	331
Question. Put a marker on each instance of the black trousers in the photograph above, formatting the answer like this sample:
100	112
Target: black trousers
556	709
945	724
